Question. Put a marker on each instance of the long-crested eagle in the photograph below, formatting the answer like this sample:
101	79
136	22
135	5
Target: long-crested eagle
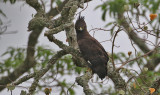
92	51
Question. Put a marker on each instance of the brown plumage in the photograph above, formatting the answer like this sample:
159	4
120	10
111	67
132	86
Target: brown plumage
92	51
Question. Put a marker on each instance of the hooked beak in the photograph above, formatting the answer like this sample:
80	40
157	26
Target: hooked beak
80	28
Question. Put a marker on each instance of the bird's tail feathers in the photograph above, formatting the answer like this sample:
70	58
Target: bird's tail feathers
100	69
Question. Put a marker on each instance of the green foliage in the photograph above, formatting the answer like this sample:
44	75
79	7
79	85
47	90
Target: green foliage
64	85
10	87
122	57
136	8
112	7
11	1
144	82
3	28
121	92
15	57
58	2
152	5
64	66
2	13
71	91
23	92
42	56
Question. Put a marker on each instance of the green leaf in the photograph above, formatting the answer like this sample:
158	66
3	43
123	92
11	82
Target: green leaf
97	7
5	53
104	6
78	70
2	13
104	15
64	84
4	1
121	92
23	92
109	24
122	54
1	23
58	2
71	91
145	69
126	7
12	1
10	86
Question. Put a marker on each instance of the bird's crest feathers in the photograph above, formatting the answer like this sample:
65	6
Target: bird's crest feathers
80	24
80	18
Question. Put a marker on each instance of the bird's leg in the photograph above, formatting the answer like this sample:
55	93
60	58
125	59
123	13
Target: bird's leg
89	68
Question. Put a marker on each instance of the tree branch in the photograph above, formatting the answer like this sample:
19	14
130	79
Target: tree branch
156	86
113	46
118	81
24	78
79	60
139	42
29	61
83	81
153	63
27	64
40	73
124	63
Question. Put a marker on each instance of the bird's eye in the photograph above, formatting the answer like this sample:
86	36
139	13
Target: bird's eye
80	28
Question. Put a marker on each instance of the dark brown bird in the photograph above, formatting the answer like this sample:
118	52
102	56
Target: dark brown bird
92	51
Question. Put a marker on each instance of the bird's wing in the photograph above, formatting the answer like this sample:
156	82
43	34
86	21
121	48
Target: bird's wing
91	49
101	47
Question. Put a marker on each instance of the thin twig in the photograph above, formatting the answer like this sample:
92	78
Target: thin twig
70	88
113	47
135	59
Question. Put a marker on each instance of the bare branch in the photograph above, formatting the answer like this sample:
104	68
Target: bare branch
132	35
83	81
113	47
134	59
117	79
40	73
57	29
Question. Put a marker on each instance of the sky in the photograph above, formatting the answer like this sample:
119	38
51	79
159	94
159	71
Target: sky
20	14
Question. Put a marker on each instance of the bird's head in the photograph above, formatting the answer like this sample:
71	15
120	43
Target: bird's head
80	25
